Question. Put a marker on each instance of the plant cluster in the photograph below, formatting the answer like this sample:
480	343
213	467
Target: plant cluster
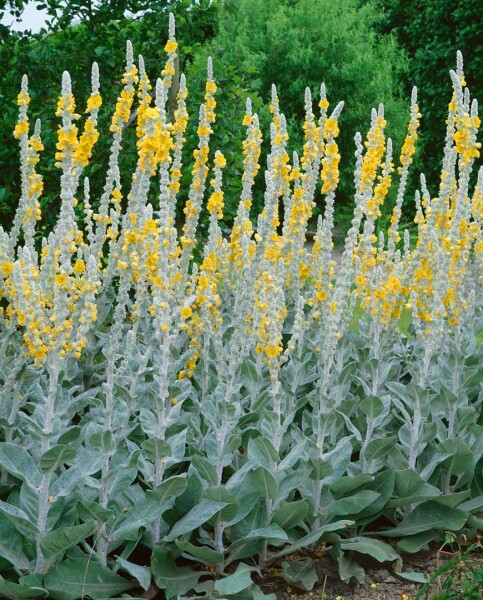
256	403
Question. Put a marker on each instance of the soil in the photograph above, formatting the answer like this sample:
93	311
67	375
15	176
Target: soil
380	584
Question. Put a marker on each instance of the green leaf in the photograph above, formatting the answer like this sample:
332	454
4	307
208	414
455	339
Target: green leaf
300	573
156	450
88	510
169	489
205	469
221	494
141	514
409	488
202	553
415	543
272	532
79	577
381	551
265	483
141	574
198	515
322	468
378	449
18	462
58	541
261	452
56	456
473	505
413	576
372	407
11	545
249	371
103	441
344	485
290	514
356	503
16	591
428	515
19	518
312	538
170	578
70	435
461	459
383	484
348	569
235	583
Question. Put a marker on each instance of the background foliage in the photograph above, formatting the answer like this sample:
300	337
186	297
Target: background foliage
430	33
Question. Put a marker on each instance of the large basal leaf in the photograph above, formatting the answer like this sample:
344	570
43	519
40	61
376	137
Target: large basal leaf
141	574
356	503
383	484
18	462
202	553
415	543
240	580
198	515
429	515
410	488
58	541
381	551
80	577
300	573
349	569
272	532
173	580
17	591
312	538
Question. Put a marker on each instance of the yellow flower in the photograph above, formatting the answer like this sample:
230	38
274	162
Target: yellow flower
171	46
204	130
95	101
220	160
20	129
6	268
186	312
60	279
273	351
79	266
331	128
23	99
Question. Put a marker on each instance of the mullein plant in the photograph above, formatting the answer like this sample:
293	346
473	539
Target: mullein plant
223	408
